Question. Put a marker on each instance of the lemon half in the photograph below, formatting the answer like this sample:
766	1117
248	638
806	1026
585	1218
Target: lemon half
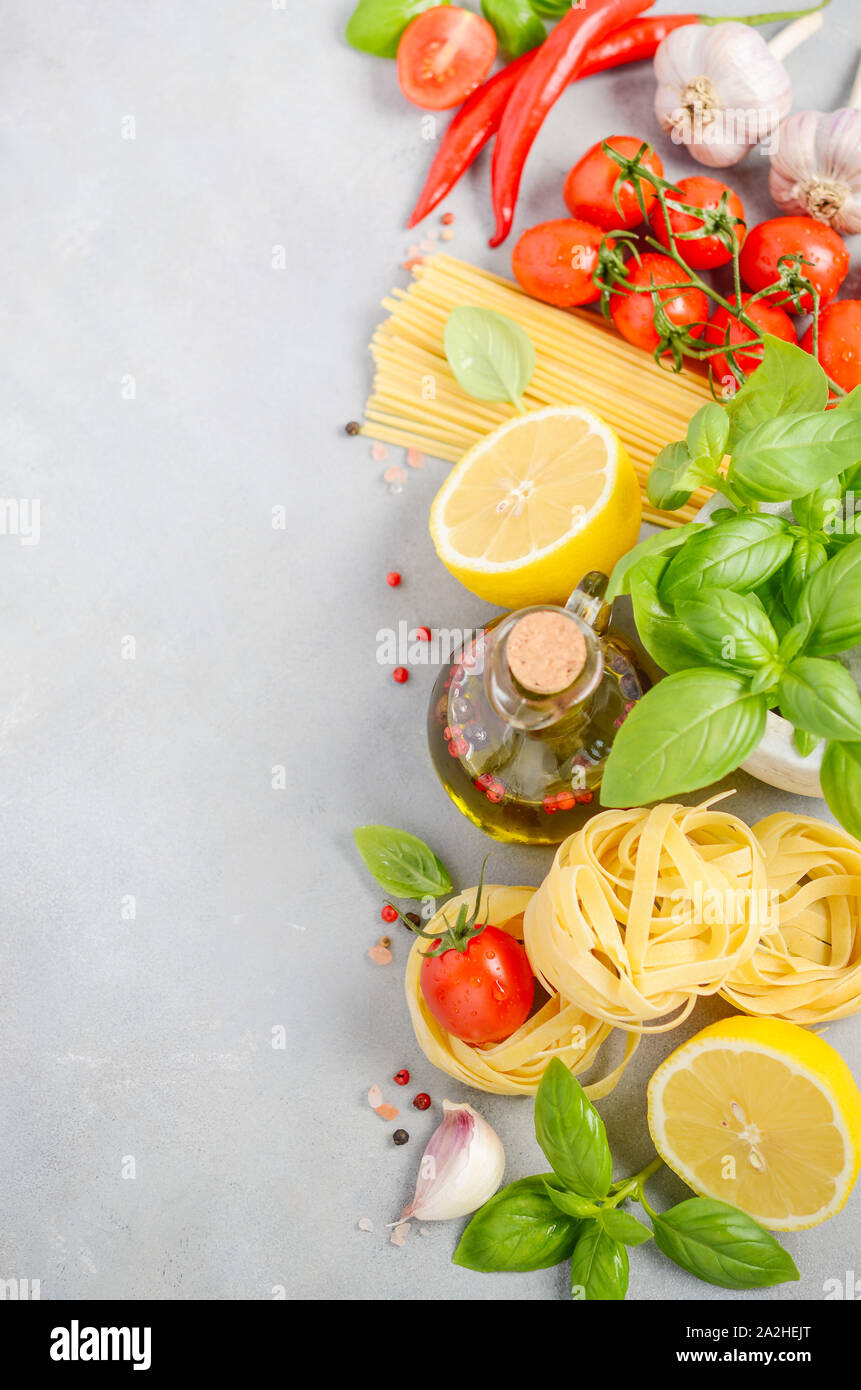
763	1115
535	505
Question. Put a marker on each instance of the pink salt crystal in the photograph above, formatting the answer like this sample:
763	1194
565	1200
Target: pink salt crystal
414	251
380	955
375	1097
447	234
400	1233
365	1224
379	451
413	262
387	1112
425	245
395	474
415	458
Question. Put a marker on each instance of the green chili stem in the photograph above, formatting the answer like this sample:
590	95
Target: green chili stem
770	17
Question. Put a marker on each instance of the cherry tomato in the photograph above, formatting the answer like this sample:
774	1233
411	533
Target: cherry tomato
784	236
705	252
725	328
839	342
633	314
555	260
482	994
588	189
443	55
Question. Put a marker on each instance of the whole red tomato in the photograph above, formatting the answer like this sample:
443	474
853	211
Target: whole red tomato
824	251
633	314
481	994
839	348
443	55
705	252
588	190
554	261
725	328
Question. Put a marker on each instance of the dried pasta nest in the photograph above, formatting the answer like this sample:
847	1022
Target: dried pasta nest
643	911
559	1028
809	969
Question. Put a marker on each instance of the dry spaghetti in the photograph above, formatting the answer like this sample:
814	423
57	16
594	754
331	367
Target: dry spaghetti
645	910
809	970
513	1067
417	403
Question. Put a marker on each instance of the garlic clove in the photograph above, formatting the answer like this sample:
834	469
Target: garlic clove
460	1169
816	167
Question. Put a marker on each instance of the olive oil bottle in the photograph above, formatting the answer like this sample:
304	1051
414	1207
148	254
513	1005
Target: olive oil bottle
520	726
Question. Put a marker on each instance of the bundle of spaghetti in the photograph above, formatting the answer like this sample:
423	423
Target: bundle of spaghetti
645	910
809	969
416	401
513	1067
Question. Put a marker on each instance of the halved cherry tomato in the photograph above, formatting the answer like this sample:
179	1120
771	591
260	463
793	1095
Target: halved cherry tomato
484	993
555	260
726	328
839	348
818	243
443	55
588	190
634	314
705	252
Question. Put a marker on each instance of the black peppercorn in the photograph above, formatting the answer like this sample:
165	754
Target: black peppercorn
352	427
400	1136
413	918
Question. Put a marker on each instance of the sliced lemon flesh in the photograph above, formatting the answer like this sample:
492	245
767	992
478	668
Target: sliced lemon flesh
763	1115
535	505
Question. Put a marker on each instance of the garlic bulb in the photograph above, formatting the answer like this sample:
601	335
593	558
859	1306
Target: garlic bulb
721	90
461	1167
816	167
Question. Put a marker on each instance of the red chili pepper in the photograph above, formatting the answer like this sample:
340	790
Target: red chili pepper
557	61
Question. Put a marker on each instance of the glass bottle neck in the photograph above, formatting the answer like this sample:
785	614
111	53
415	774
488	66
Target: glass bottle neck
506	675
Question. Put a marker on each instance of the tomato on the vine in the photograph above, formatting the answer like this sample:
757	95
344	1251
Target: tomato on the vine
634	314
839	347
554	261
702	252
443	55
726	329
588	190
824	251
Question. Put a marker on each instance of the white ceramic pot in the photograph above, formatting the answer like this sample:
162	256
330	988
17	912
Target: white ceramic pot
776	760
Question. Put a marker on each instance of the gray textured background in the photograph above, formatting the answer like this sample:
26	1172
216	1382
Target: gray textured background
151	258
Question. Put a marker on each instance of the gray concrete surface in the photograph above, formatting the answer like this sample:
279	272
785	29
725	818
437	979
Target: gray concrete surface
165	908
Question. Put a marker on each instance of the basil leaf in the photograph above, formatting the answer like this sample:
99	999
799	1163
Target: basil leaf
491	356
852	401
812	509
621	1225
787	381
740	553
821	696
708	433
517	26
831	602
402	864
792	643
664	542
665	638
809	554
674	475
687	732
734	628
805	742
722	1245
841	784
375	26
518	1230
571	1133
599	1266
554	9
571	1204
780	459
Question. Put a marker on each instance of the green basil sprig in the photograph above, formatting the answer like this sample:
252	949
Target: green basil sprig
517	26
375	26
403	865
576	1213
781	458
492	357
787	382
830	601
841	783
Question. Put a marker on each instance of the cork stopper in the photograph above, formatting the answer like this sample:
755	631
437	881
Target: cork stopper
546	652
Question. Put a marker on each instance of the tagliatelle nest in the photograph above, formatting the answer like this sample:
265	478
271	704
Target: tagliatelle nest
558	1028
645	910
809	970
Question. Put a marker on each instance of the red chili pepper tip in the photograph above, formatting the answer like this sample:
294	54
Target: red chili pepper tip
393	579
422	1100
388	913
400	674
401	1077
